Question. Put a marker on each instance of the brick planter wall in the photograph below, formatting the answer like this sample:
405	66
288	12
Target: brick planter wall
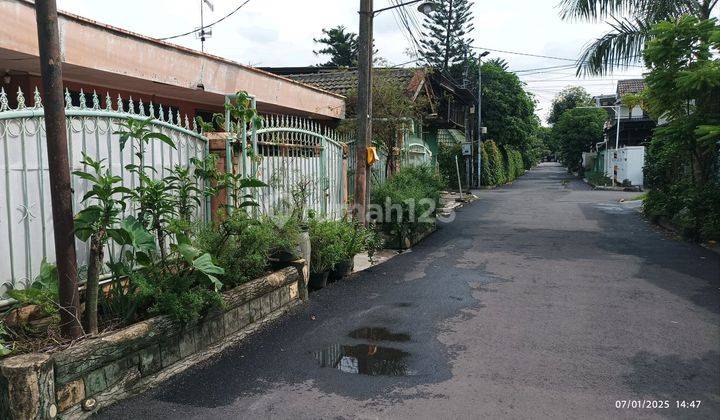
94	373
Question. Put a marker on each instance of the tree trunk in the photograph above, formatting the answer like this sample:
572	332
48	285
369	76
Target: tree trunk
95	260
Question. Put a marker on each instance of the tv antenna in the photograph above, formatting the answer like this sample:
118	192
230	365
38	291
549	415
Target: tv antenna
204	33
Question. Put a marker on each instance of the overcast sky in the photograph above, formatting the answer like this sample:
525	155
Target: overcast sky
281	32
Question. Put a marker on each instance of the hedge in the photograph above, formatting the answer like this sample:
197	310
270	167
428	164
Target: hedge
495	174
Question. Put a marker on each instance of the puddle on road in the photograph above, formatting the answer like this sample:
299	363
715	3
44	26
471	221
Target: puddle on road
378	334
368	359
365	359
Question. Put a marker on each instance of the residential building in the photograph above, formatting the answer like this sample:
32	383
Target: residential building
449	112
107	59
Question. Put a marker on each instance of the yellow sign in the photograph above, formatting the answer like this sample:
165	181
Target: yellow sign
372	155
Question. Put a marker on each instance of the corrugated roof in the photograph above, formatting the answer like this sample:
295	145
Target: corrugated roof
629	86
341	81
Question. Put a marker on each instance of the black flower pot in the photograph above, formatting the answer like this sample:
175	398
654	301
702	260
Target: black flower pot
318	280
342	269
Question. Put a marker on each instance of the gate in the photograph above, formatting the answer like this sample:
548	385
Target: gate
26	229
301	161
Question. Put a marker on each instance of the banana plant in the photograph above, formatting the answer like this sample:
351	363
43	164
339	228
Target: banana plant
93	223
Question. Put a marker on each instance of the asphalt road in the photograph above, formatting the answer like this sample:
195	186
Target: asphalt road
541	300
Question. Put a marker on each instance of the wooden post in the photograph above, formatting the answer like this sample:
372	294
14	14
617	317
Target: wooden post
59	166
217	147
364	109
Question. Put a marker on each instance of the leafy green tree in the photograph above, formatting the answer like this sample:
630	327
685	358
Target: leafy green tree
341	46
576	131
446	40
631	21
508	111
683	87
392	106
568	98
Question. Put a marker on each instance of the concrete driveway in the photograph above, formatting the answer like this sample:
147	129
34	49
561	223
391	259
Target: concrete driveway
543	299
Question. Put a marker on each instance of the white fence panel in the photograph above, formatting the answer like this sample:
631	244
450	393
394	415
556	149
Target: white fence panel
26	230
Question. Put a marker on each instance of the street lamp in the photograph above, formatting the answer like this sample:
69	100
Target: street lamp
364	107
479	119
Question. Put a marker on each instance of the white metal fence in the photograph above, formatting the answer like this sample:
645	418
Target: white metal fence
25	208
299	159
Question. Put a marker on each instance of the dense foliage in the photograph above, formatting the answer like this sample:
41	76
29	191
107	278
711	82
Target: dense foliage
447	154
493	168
683	86
568	98
508	111
406	203
576	131
393	112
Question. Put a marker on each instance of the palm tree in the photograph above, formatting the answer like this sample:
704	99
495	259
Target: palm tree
630	21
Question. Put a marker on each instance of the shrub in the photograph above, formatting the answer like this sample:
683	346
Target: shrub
597	178
412	192
513	164
495	164
240	245
446	165
327	246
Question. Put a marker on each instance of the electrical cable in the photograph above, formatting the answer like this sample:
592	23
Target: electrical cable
205	26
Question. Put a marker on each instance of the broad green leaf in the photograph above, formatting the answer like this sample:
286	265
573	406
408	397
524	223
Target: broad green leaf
162	137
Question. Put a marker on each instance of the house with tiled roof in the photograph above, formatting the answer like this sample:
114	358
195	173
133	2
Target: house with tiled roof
449	117
107	59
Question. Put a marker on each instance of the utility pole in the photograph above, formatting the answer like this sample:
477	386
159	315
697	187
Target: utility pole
57	152
364	109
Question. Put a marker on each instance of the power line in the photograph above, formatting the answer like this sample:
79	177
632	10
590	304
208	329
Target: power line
206	26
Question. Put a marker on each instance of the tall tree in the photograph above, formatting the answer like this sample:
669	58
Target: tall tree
630	21
446	40
682	160
508	111
341	46
568	98
576	131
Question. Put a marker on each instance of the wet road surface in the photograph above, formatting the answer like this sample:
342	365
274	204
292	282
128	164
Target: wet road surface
543	299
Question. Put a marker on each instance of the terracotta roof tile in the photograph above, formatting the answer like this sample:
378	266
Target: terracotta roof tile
630	86
341	81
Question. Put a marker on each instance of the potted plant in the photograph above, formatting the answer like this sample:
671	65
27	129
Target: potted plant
353	236
327	249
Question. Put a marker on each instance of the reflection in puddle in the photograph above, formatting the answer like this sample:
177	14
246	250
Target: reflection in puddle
378	334
365	359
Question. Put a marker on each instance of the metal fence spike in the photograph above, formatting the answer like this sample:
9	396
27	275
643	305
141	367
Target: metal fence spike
161	117
152	110
192	125
187	123
20	99
37	100
131	105
120	107
83	105
108	101
95	100
178	120
4	106
68	99
141	107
